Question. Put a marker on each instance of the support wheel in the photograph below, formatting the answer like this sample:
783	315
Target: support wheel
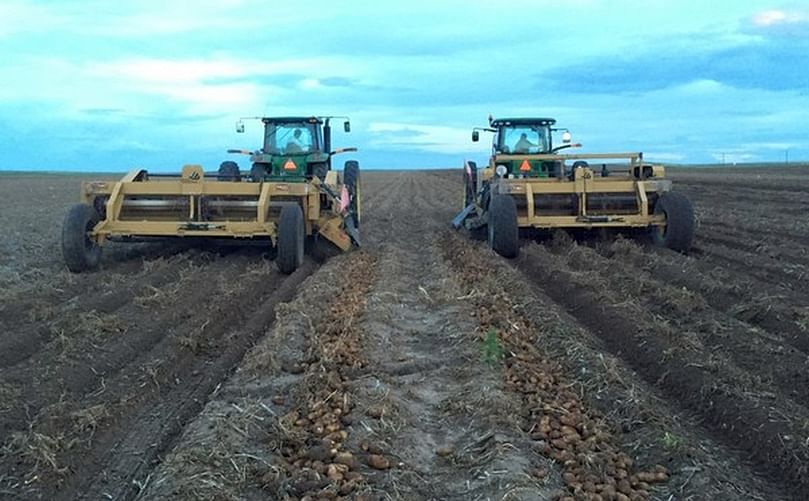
503	229
229	171
678	233
351	179
80	251
290	239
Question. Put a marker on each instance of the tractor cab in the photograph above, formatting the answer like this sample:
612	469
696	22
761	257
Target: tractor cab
522	136
515	138
294	149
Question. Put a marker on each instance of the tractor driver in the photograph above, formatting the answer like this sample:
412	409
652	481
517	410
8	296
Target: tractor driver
523	144
294	145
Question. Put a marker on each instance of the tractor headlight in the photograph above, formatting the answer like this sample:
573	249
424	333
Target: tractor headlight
501	170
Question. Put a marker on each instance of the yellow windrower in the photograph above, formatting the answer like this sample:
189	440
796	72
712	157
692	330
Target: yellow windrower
528	183
195	204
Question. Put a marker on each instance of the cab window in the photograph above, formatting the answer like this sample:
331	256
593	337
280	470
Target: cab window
523	139
291	138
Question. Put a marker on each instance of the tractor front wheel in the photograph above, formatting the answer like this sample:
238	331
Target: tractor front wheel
678	233
351	179
259	171
290	239
80	251
503	230
229	171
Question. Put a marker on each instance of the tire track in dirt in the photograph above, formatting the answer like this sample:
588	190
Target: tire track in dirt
725	399
119	462
767	271
651	428
281	423
150	355
773	309
91	348
743	345
27	320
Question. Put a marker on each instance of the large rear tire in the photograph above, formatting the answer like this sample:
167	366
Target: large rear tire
81	253
351	179
290	239
504	234
678	233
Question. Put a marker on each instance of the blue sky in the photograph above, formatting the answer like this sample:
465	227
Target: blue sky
97	85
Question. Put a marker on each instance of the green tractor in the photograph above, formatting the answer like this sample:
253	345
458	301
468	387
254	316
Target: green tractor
290	197
294	149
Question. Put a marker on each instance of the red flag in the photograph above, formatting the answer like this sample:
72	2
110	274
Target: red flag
344	199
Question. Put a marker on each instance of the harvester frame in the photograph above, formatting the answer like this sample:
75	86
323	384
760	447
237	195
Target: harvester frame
541	190
283	209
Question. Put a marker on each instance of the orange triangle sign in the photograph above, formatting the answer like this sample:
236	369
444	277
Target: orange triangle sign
289	165
525	166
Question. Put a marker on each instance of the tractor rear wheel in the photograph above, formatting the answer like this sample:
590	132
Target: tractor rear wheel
80	251
351	179
678	233
290	239
229	171
503	230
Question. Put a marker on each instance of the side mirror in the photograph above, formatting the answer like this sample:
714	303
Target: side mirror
566	137
347	126
475	136
240	127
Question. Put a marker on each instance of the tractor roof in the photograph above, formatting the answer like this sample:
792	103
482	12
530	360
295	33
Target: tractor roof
500	122
283	120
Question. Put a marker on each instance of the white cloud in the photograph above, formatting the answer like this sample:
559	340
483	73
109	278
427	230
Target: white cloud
171	71
703	86
775	17
434	138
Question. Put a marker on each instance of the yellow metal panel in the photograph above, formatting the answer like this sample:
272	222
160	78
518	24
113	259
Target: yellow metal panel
312	208
263	204
169	228
330	228
644	201
529	195
579	156
576	222
595	185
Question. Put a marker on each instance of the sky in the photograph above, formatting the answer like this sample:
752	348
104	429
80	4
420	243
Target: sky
94	85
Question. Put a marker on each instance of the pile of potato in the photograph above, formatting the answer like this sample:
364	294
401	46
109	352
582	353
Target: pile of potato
594	467
315	462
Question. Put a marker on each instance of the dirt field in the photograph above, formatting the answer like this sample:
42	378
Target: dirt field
421	367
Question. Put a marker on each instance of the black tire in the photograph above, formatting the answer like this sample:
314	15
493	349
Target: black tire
80	252
229	171
470	183
351	179
678	234
290	239
320	170
504	233
259	171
